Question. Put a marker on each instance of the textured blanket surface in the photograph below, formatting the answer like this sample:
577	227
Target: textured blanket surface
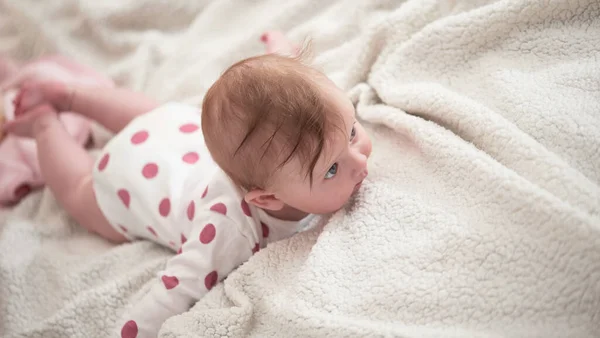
481	213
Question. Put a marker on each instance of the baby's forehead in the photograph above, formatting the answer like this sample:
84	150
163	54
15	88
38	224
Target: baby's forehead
335	140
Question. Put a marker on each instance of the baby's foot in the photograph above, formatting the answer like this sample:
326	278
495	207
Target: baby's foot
35	93
276	42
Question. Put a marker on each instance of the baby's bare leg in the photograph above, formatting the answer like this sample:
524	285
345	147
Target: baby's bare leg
67	170
113	108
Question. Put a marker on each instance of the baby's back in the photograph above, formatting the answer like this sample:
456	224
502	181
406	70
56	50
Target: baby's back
153	176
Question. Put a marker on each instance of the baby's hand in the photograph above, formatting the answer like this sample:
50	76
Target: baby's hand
36	93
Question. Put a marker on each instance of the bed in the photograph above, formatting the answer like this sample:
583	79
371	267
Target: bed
481	213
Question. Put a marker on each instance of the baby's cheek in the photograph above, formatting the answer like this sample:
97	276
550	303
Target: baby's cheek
330	204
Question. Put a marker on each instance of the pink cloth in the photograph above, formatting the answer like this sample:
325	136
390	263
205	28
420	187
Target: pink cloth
19	168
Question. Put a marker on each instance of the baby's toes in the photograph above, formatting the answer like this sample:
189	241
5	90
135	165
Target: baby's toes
27	99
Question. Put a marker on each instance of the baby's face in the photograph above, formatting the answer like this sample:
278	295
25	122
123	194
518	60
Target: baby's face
338	173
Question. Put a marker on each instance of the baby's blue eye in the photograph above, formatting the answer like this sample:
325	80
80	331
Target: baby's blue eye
352	133
332	171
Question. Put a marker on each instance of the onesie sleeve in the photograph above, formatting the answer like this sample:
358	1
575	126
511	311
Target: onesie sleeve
213	249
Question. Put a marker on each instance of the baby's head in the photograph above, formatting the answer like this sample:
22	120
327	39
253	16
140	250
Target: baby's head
286	134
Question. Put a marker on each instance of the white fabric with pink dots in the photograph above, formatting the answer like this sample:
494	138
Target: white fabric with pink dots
155	180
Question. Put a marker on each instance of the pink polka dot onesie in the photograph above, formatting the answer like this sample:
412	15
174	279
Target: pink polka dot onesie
156	180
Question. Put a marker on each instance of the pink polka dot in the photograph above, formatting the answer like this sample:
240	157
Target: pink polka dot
220	208
208	233
179	251
265	229
164	207
191	209
139	137
124	197
129	330
211	280
205	192
150	170
246	208
152	231
183	239
188	128
170	281
103	162
191	157
256	248
171	243
124	229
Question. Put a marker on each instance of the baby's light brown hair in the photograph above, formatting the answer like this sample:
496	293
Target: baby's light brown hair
264	112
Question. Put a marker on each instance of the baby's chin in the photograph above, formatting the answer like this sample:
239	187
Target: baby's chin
342	205
320	209
324	207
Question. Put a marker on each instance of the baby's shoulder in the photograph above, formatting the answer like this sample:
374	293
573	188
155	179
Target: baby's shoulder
222	196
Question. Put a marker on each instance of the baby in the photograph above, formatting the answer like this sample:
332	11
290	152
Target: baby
276	144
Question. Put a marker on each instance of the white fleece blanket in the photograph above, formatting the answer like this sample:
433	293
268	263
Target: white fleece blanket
481	214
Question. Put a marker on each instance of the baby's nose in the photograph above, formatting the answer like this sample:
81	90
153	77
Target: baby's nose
366	148
362	174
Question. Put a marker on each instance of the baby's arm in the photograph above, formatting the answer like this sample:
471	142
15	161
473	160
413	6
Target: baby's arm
211	252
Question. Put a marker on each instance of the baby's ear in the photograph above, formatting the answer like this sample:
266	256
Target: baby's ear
264	199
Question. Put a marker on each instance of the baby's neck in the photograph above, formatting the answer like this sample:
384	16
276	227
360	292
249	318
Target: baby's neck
287	213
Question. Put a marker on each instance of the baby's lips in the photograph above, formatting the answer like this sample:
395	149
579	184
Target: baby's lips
21	191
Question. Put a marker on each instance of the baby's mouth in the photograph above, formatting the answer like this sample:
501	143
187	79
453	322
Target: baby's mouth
357	186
